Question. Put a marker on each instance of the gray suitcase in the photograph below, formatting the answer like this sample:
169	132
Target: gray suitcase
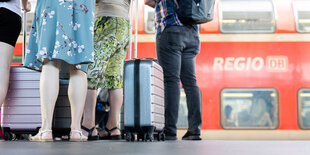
143	100
143	94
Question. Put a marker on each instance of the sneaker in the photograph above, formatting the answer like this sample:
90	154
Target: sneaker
190	136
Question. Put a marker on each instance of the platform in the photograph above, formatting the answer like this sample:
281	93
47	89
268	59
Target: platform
205	147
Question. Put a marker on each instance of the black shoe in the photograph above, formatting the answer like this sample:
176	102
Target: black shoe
190	136
170	136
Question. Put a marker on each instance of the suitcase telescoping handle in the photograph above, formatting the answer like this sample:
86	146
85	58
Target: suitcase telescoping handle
136	29
136	64
24	35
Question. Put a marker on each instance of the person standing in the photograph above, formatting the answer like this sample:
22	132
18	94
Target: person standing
177	46
61	46
111	42
10	27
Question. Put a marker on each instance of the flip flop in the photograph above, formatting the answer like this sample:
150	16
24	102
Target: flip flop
90	133
109	136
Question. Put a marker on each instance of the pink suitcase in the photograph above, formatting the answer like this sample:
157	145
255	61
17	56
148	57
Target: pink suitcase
21	111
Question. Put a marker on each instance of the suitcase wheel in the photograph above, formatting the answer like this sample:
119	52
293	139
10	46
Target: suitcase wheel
161	136
9	136
130	136
148	137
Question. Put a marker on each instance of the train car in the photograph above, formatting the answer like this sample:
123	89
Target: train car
252	68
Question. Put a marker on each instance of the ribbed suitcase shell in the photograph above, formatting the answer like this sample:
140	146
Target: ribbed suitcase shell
21	110
151	95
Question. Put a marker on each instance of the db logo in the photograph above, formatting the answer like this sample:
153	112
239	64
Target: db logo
270	63
277	63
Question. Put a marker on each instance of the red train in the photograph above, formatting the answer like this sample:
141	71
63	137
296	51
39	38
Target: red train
252	68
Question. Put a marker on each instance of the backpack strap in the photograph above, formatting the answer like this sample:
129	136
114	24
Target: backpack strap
176	2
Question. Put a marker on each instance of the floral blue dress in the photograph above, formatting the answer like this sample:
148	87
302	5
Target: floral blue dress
62	29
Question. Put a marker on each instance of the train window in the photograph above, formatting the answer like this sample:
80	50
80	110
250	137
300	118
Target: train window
244	16
149	17
304	108
249	108
302	15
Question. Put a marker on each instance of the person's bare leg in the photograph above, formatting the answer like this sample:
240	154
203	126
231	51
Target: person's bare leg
77	96
89	111
116	102
6	53
49	88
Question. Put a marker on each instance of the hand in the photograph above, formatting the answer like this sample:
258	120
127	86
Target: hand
26	8
150	3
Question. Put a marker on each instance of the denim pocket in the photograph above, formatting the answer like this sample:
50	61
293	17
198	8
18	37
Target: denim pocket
172	36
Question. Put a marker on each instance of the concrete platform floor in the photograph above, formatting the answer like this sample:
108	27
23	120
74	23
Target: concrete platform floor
205	147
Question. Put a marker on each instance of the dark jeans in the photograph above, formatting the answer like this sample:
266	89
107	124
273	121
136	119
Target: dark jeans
177	48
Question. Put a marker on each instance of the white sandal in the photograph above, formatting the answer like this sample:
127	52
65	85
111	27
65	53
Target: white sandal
82	138
39	136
